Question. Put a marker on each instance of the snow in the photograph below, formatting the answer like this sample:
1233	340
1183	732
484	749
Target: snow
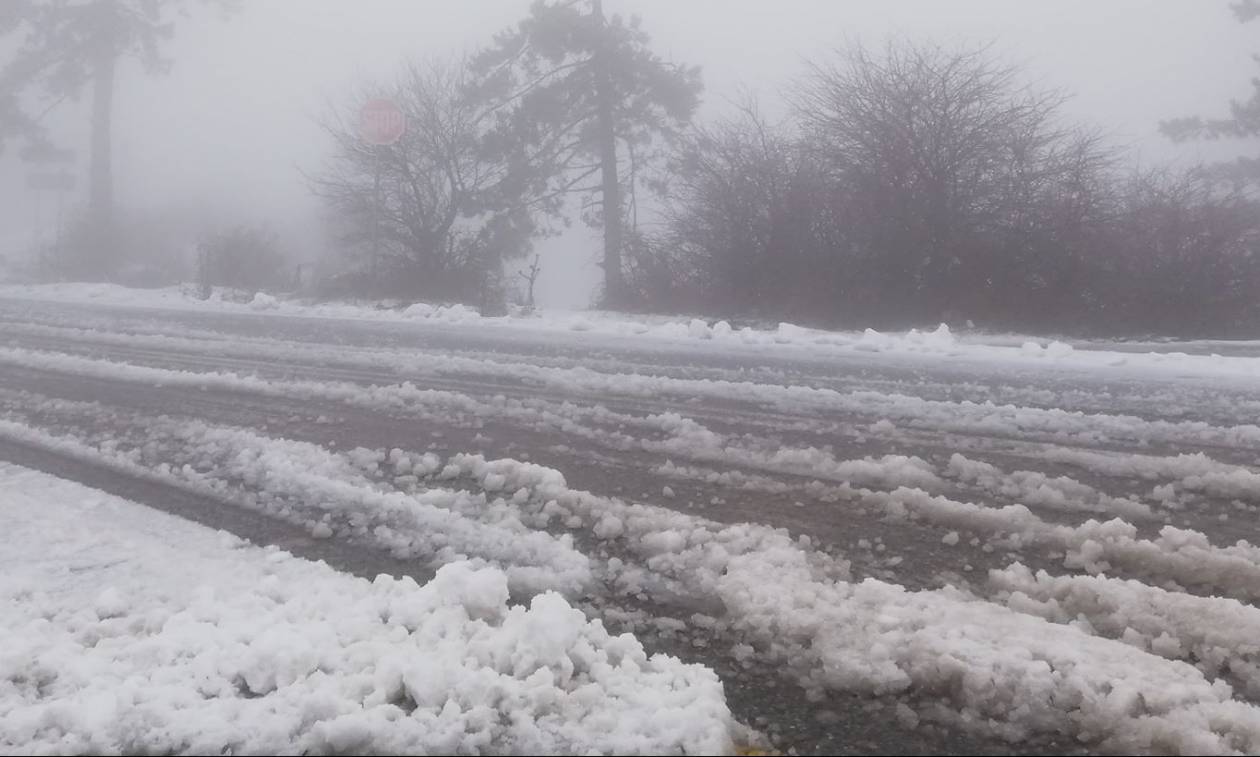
264	301
1020	673
1216	633
1038	489
541	561
1025	674
1163	357
905	411
1182	556
302	482
1133	628
128	630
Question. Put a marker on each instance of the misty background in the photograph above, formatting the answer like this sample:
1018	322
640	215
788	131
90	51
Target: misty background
226	135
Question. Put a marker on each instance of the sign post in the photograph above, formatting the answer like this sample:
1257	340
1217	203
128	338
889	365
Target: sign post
381	124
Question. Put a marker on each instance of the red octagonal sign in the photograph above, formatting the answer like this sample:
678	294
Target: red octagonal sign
381	122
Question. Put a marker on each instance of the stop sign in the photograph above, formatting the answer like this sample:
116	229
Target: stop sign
381	122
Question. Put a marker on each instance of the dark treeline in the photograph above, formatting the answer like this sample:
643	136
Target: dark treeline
921	184
907	185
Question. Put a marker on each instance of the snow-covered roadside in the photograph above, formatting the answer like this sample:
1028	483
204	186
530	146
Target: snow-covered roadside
1168	359
125	629
995	670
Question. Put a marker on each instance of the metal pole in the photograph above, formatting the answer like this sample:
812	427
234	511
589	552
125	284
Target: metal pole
376	218
61	225
38	235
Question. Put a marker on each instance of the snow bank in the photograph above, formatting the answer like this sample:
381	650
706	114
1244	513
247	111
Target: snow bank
263	301
979	665
1192	472
1184	557
940	342
1094	546
445	313
983	666
329	495
1218	635
126	630
969	662
1039	490
906	411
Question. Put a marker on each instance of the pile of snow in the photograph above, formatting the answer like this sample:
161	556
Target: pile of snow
983	666
264	301
969	662
1040	490
1187	471
1053	350
1182	556
447	313
127	630
1215	633
328	494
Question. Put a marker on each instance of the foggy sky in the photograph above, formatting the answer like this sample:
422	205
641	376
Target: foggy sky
229	129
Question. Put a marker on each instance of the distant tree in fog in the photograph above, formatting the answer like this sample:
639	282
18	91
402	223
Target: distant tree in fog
1243	121
1181	255
15	122
920	184
748	227
951	154
583	101
244	257
64	47
442	209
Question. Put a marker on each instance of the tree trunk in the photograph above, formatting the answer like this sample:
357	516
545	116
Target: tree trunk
614	288
102	176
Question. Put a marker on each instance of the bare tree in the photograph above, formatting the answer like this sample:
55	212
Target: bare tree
924	183
530	276
444	214
1182	256
742	220
939	144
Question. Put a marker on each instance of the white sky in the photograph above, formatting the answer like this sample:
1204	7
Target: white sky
232	124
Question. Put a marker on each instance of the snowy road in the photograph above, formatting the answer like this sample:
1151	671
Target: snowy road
878	543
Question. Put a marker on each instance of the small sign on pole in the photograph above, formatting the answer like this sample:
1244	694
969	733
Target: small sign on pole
381	122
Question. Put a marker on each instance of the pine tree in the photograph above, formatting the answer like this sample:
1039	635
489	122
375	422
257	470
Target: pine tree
1243	121
575	96
63	48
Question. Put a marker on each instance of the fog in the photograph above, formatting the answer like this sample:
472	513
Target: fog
229	131
892	388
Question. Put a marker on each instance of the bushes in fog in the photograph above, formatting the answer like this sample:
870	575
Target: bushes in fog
921	184
149	249
243	257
